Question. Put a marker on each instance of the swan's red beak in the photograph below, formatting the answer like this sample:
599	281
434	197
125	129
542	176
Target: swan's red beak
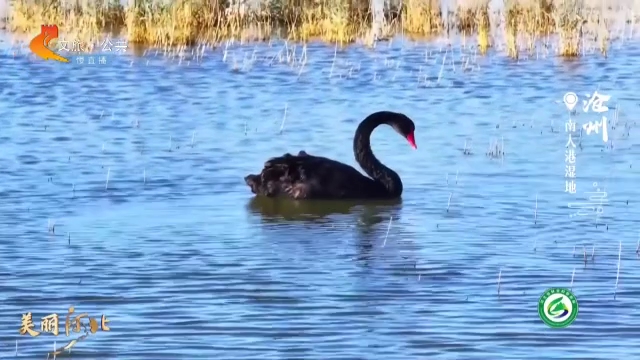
412	141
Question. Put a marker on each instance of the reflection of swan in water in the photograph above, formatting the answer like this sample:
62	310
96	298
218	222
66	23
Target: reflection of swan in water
319	212
283	210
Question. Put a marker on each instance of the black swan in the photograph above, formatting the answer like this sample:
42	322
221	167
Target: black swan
313	177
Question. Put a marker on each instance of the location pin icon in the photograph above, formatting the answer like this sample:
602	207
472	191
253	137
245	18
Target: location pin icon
570	100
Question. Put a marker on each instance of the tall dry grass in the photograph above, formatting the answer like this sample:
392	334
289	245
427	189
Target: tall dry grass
184	22
472	17
578	25
88	22
422	17
334	21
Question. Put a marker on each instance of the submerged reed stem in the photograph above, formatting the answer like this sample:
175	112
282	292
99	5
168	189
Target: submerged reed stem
618	272
573	274
387	234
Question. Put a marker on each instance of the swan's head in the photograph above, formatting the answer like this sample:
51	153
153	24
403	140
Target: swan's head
405	127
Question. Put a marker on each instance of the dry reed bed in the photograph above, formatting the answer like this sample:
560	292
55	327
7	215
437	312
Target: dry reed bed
522	23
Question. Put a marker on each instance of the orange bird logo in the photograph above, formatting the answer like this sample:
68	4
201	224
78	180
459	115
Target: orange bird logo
39	44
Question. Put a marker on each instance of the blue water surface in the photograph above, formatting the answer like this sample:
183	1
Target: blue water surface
121	193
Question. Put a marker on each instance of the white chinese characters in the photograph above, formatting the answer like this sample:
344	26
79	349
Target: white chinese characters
93	53
595	102
570	162
120	45
91	60
596	126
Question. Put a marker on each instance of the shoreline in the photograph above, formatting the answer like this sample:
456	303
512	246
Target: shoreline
185	24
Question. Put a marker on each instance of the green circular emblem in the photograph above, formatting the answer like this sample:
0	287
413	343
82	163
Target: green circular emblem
558	307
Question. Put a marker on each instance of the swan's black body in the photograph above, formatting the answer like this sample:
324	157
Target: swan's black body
313	177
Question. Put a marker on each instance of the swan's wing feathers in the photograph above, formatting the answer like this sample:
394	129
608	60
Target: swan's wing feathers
307	176
285	169
291	161
286	159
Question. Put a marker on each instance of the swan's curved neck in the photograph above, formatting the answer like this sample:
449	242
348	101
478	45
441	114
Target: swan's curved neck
368	161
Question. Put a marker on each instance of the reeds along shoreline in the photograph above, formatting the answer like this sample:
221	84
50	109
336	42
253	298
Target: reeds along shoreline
186	22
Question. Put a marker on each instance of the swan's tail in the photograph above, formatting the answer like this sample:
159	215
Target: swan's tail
253	181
